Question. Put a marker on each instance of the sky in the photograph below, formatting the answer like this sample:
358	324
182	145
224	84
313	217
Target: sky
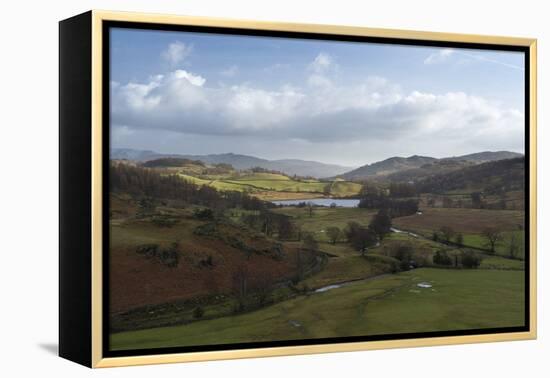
344	103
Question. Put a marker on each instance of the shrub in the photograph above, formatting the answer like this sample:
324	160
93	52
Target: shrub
442	258
203	214
207	262
309	242
162	221
208	229
470	260
148	250
198	312
169	257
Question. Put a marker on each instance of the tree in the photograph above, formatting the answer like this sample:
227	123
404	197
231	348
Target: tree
240	286
381	224
442	258
363	239
351	229
513	246
403	253
284	228
447	232
300	266
262	285
447	202
309	242
470	260
333	234
493	237
310	209
476	200
198	312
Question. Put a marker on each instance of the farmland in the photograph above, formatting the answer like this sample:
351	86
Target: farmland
272	186
210	261
469	222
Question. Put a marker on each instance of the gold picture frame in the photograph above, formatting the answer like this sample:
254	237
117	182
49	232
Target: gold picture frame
90	329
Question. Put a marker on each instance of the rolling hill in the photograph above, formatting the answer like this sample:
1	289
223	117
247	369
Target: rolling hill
386	167
491	177
288	166
416	167
485	156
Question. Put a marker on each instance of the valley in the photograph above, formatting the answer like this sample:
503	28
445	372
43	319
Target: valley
203	253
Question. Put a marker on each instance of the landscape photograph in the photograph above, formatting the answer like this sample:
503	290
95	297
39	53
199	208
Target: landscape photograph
274	189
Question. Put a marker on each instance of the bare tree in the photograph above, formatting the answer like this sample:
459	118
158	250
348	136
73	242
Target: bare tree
363	239
513	245
240	286
262	285
300	266
309	242
333	234
448	233
493	237
310	209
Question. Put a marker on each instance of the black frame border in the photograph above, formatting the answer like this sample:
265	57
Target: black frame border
106	27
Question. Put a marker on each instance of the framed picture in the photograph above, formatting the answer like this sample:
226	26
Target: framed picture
235	189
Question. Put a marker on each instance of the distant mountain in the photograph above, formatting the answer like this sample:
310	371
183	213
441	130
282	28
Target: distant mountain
306	168
386	167
485	156
417	167
130	154
288	166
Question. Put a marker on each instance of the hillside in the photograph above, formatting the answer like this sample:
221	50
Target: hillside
491	177
417	167
486	156
427	170
386	167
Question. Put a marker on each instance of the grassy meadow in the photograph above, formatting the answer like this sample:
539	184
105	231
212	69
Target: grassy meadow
272	186
389	304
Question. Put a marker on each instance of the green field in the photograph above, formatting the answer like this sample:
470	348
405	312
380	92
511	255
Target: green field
478	241
323	217
458	300
264	185
470	223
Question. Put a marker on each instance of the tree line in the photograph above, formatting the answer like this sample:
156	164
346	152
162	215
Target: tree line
144	182
393	207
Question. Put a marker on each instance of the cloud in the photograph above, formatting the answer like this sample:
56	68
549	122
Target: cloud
176	52
230	71
191	78
322	63
322	71
439	57
371	109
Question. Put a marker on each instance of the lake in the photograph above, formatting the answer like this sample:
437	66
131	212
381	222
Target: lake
320	202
